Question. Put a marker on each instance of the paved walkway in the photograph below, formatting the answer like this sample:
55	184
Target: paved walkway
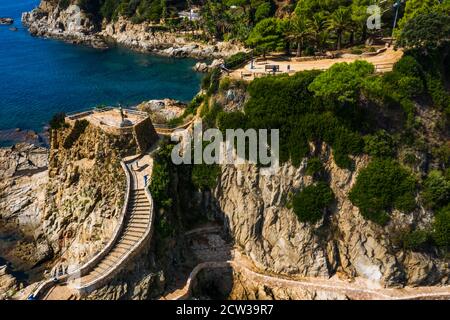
358	290
383	62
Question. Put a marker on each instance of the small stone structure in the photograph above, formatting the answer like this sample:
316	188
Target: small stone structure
118	121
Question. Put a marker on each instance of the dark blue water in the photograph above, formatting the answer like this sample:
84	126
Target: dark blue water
39	77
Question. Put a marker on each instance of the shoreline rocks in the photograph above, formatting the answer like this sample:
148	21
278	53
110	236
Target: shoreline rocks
204	67
17	135
74	26
70	25
6	21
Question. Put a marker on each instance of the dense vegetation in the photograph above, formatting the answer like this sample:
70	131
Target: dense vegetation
288	104
381	187
160	189
314	167
204	177
306	26
311	203
159	186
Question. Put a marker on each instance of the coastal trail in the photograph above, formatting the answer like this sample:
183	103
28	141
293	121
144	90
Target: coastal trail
360	289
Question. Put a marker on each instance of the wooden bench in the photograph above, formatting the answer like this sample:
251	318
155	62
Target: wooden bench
272	68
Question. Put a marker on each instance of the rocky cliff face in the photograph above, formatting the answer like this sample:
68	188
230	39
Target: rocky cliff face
70	23
8	284
344	243
23	178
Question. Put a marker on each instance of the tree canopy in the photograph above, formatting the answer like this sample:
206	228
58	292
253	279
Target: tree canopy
426	31
267	35
340	81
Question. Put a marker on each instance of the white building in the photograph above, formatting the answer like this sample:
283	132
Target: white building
192	15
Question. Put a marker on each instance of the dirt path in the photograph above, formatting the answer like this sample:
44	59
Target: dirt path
383	62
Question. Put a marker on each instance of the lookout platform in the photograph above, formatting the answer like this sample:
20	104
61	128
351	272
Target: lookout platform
118	121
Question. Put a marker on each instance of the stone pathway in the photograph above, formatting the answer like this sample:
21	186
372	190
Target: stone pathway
358	290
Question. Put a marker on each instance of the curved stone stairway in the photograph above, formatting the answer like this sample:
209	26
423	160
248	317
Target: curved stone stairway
136	223
132	234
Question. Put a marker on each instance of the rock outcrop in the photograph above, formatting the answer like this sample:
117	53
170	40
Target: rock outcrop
85	193
254	209
204	67
70	24
161	111
6	21
23	176
8	284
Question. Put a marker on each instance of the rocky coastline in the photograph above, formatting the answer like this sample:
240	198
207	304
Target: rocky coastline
74	26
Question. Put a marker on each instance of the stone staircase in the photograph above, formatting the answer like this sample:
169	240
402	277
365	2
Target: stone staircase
136	223
132	234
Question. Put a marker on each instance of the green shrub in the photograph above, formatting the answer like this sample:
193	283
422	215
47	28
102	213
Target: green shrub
436	190
379	145
408	66
442	154
441	227
381	187
175	122
193	105
64	4
58	121
236	60
438	93
410	86
311	203
415	240
210	115
285	103
314	166
231	120
263	11
77	130
160	183
205	176
210	82
342	81
224	84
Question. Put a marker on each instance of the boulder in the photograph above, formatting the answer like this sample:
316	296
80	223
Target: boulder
216	63
6	21
201	67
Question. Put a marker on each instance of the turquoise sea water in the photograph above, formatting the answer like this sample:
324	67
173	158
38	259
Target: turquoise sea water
39	77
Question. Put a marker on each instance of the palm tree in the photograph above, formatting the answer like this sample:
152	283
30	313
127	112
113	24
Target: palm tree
298	31
340	22
318	26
